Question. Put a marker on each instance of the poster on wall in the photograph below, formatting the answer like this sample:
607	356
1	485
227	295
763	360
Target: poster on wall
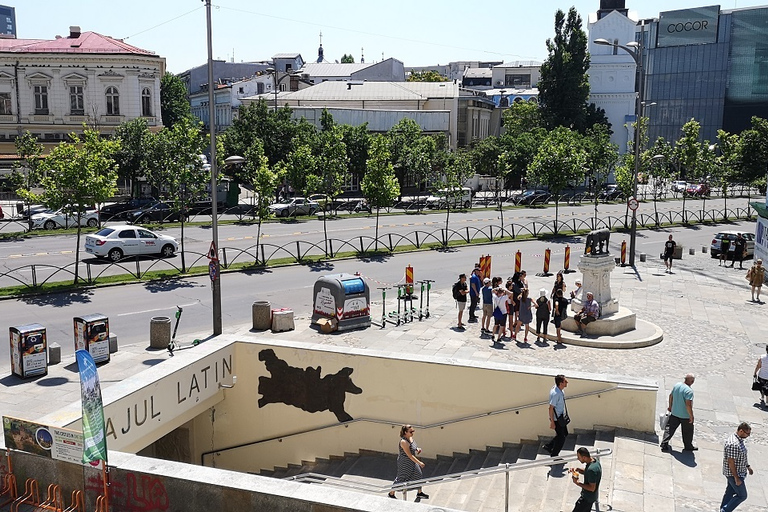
44	440
761	239
688	26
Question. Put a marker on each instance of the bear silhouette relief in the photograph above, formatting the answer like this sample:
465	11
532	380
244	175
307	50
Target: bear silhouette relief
303	388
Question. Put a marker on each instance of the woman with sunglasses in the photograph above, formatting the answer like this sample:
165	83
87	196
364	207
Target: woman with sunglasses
408	466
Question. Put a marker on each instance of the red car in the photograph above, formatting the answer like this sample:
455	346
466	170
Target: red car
698	190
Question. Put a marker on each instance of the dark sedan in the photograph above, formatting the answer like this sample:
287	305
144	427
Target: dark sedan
117	211
158	212
532	197
610	193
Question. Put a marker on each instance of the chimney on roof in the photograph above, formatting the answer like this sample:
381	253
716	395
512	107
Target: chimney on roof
74	32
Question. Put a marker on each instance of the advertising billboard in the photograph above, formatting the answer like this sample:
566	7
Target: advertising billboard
688	26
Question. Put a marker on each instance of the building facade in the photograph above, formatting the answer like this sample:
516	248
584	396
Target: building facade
196	79
7	21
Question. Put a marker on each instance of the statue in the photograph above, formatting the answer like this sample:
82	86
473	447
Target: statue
597	242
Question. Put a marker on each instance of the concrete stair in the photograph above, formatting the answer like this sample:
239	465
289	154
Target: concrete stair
545	488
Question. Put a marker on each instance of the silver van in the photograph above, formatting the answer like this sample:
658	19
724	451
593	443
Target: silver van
458	200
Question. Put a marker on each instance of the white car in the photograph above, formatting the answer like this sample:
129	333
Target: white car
118	242
62	219
294	207
679	186
459	198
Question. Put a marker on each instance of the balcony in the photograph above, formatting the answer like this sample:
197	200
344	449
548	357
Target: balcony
111	120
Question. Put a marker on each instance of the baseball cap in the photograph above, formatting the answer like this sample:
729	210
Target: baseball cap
486	280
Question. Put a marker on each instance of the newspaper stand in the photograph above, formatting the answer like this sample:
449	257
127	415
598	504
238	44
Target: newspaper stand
92	334
345	297
29	350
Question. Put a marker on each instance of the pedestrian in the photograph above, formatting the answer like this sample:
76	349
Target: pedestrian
486	292
460	292
408	465
740	250
669	252
756	276
577	294
543	309
588	314
513	306
525	315
474	293
559	285
499	313
593	473
524	279
559	313
725	246
735	468
681	414
558	416
761	374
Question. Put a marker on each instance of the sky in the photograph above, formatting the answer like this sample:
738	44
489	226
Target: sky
417	32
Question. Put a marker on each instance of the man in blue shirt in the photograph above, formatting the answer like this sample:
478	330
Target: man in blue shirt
487	293
474	293
557	416
681	414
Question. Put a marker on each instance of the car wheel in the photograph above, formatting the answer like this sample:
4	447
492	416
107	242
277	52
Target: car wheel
167	251
115	254
284	213
49	224
92	223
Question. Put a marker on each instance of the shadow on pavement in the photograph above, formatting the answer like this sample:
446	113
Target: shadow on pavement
59	300
168	285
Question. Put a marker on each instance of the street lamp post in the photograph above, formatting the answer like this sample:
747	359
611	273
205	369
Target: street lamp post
277	81
215	266
635	50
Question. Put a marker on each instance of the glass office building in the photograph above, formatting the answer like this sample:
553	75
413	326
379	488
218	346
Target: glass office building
7	21
706	64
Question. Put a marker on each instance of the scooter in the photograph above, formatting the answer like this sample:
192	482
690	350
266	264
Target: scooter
173	345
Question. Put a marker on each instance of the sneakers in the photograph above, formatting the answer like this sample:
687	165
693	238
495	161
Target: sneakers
422	495
665	447
392	496
691	449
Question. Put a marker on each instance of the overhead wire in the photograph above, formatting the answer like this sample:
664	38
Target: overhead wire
165	22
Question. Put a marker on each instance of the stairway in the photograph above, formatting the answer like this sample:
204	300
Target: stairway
542	488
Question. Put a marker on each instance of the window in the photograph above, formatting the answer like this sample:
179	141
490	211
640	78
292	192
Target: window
146	102
76	100
41	100
5	104
113	101
128	233
518	81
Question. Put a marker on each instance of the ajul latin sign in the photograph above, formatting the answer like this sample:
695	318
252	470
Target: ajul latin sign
688	26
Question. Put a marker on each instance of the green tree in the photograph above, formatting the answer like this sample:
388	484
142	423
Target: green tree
689	155
601	156
135	141
263	180
357	141
659	155
625	170
77	176
347	59
379	186
754	153
26	170
299	167
564	83
174	105
456	173
178	171
727	163
560	161
331	169
523	135
275	130
404	139
426	76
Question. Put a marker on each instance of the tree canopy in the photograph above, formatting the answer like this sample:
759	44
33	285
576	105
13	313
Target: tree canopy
174	105
426	76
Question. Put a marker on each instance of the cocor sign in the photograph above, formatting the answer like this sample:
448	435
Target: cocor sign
688	26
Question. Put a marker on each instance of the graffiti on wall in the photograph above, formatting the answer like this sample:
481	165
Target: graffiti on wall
131	492
303	387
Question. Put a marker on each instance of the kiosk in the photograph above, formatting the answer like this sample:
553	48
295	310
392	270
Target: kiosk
345	297
92	334
29	350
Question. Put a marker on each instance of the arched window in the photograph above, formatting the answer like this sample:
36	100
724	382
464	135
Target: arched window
146	102
113	101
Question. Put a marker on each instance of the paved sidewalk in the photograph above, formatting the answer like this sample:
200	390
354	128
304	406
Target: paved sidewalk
710	328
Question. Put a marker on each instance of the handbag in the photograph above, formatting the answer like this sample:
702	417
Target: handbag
663	420
564	419
756	386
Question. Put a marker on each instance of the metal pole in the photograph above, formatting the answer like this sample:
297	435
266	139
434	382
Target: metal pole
638	56
216	282
274	77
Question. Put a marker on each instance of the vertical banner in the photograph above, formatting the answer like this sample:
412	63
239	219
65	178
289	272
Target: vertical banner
94	438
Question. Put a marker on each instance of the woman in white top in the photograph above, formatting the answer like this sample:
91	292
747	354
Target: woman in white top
761	372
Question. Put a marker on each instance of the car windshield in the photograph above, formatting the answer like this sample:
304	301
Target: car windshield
105	232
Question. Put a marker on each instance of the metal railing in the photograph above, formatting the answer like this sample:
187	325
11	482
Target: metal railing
317	478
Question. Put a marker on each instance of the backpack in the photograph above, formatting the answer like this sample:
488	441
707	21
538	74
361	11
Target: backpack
456	293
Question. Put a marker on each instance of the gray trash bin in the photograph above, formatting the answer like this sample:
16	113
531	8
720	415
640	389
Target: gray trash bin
262	315
159	332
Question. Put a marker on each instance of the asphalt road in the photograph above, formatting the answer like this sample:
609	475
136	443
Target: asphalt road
130	307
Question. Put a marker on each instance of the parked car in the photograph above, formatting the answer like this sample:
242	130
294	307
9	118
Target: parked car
119	210
118	242
531	197
458	199
354	206
323	201
158	212
610	192
697	190
294	207
679	186
63	219
33	209
714	248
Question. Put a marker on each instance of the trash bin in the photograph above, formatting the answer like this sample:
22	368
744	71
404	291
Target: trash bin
345	297
20	209
159	332
642	257
92	334
261	313
28	350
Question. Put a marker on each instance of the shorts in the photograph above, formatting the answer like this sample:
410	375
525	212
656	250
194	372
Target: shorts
587	320
500	320
487	309
667	256
461	305
557	321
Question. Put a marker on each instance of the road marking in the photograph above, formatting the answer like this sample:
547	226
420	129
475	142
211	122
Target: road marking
40	254
158	309
247	238
15	256
67	252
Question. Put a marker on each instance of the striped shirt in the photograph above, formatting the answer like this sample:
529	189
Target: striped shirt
735	449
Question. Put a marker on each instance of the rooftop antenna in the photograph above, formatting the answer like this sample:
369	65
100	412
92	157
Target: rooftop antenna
233	55
362	55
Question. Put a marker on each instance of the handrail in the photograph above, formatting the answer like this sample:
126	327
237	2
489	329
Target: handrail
464	475
390	423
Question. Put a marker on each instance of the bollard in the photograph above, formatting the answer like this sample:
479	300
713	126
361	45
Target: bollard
567	262
159	332
261	315
691	251
704	249
642	257
54	353
518	261
409	280
547	254
623	253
